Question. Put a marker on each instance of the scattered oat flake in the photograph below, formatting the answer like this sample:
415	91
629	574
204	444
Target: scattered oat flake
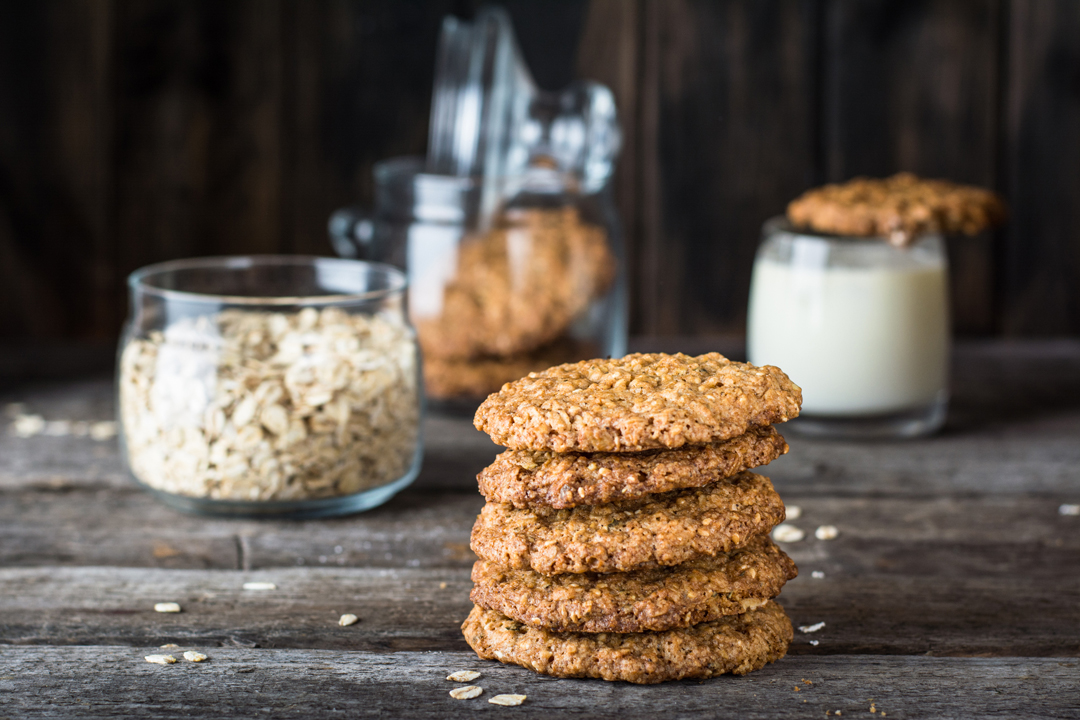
817	575
1068	509
160	659
194	656
28	425
442	586
168	646
794	512
811	628
260	586
466	693
348	619
826	532
167	607
463	675
815	642
508	700
787	533
103	430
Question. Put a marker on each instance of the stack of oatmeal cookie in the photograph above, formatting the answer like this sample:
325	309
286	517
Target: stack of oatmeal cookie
623	537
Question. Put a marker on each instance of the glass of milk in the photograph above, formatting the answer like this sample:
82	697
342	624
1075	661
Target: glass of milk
860	325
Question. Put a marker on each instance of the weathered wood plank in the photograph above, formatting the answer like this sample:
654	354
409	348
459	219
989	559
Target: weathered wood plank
1040	262
112	682
726	137
430	528
913	586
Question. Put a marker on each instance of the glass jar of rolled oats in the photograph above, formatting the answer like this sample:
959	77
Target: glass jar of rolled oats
270	385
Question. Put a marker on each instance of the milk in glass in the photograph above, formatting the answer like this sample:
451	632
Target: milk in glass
860	325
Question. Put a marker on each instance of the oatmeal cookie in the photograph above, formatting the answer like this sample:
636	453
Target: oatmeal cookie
735	644
519	286
901	208
657	530
527	478
638	402
450	378
656	599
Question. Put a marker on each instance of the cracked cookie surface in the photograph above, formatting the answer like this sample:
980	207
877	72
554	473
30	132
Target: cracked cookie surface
657	530
527	478
656	599
638	402
901	208
735	644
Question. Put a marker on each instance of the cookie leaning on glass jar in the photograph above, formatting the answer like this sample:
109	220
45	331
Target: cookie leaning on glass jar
850	295
270	385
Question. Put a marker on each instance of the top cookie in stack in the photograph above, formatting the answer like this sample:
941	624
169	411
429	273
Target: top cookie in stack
623	537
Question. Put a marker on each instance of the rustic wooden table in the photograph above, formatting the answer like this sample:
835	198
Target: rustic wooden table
953	589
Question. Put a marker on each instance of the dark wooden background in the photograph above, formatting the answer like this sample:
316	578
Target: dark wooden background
133	131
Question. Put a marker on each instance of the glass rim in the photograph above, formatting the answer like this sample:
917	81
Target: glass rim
138	280
779	224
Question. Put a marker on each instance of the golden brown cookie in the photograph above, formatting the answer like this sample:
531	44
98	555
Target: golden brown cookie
656	530
638	402
901	208
476	378
529	478
519	286
735	644
655	599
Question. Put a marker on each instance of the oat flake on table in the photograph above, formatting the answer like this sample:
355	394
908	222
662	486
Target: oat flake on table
466	693
259	406
508	700
463	676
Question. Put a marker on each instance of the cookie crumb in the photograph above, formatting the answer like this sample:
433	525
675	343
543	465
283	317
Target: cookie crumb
817	575
466	693
348	619
160	659
826	532
811	628
463	676
508	700
797	688
194	656
1069	509
442	586
794	512
260	586
167	607
787	533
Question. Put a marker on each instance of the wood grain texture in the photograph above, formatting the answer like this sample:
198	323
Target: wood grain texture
103	682
727	139
1042	153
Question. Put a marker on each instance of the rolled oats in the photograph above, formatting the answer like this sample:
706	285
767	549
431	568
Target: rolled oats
260	586
167	607
194	656
787	533
160	659
348	619
466	693
463	676
260	406
826	532
508	700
